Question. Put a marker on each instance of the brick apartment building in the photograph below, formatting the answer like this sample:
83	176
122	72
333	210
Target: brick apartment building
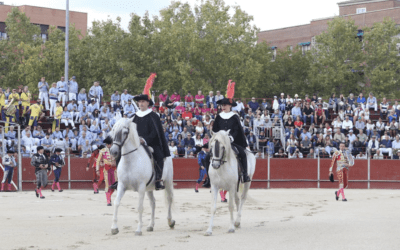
44	17
363	12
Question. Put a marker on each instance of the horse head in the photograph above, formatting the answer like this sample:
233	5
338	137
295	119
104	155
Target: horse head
219	146
120	133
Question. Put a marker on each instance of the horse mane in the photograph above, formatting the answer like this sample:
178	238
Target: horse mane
223	137
133	134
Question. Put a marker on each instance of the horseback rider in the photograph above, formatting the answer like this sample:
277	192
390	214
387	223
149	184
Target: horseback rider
228	120
150	131
151	134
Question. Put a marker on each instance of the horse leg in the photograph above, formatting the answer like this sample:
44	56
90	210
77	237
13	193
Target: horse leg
242	201
237	201
169	192
150	194
140	210
231	207
120	194
214	191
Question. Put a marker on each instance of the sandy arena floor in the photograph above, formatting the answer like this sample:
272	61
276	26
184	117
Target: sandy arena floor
276	219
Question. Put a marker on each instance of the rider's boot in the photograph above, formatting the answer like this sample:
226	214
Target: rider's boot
159	170
246	177
207	183
114	185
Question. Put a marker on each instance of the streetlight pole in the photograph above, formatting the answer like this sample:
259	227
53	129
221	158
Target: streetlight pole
66	44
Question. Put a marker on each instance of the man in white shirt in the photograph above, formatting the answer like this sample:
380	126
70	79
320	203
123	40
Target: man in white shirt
351	136
378	155
361	155
239	108
347	125
29	143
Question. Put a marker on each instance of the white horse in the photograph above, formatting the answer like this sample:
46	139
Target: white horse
135	172
223	172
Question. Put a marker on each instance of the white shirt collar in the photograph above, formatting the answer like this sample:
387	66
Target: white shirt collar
143	113
226	115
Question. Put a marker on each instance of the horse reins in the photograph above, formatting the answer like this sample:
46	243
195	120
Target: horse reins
118	136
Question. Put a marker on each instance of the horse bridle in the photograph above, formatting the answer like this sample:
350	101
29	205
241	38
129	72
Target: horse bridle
220	160
120	144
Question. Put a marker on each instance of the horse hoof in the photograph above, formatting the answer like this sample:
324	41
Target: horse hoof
231	231
150	229
138	233
114	231
172	224
208	234
237	224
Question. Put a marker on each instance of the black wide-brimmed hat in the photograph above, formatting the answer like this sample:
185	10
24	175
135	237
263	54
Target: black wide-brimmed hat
227	101
58	150
108	140
10	152
145	98
39	148
101	147
205	145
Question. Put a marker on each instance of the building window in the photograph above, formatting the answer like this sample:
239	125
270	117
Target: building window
3	36
44	37
361	10
61	28
305	47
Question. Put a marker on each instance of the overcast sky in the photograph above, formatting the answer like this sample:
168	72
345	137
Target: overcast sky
267	14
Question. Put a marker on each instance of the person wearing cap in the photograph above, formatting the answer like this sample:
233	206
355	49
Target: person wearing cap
43	87
35	110
92	164
110	168
73	89
41	163
201	156
57	162
62	87
373	145
9	164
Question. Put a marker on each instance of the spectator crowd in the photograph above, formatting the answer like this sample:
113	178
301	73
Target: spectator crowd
286	127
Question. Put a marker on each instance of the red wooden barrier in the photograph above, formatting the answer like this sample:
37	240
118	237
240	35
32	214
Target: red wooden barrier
284	173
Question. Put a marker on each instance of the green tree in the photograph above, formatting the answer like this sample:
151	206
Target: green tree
21	34
382	63
337	59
